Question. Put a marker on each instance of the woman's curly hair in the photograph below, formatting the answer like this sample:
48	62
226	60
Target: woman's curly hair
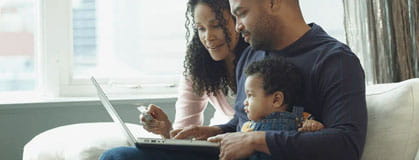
206	74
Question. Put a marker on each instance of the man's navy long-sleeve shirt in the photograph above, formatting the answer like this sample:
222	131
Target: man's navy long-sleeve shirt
334	92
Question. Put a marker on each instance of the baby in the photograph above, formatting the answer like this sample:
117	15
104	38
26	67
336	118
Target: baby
273	87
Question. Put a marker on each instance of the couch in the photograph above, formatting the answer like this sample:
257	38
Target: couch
393	121
393	130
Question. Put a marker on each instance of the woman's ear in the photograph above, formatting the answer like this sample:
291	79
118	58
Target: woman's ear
278	99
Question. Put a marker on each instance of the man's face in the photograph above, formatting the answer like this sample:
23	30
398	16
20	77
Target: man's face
253	22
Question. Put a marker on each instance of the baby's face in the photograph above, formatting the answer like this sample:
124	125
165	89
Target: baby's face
257	103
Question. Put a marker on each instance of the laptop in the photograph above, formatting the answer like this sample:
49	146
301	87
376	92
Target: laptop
156	143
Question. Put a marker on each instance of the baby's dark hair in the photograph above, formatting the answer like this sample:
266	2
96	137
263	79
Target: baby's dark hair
279	75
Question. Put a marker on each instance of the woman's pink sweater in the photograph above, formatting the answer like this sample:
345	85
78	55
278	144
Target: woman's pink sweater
190	107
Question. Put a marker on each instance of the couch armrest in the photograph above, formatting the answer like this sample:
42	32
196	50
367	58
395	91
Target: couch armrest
84	141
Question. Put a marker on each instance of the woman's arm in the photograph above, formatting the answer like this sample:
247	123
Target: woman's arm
189	111
189	106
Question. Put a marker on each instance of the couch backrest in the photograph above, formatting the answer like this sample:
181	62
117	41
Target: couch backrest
393	121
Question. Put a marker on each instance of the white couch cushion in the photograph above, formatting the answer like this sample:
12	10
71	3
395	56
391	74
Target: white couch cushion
393	116
85	141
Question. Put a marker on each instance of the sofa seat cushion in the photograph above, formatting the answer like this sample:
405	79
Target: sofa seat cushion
84	141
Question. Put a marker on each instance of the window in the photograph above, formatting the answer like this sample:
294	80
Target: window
129	46
17	60
326	13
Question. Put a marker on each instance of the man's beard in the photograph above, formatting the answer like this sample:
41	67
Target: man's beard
262	38
261	42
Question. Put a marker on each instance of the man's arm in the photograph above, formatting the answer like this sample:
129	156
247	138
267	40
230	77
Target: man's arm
341	89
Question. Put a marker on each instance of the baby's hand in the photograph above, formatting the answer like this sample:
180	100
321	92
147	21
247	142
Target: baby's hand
311	126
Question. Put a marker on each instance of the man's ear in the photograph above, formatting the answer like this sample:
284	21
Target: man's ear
278	99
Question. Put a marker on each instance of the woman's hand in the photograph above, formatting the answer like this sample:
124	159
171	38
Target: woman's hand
196	132
160	123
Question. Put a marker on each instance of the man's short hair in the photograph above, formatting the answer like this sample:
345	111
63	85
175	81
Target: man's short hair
278	75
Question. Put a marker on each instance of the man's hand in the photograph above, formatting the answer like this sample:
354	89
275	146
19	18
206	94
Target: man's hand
311	126
196	132
240	144
160	123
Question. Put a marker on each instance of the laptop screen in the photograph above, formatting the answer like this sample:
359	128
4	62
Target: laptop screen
112	112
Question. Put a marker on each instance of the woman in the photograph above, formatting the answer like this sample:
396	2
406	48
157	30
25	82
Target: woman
209	65
209	68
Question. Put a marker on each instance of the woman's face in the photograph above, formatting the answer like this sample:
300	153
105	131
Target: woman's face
211	33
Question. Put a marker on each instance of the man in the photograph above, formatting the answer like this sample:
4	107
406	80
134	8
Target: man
334	86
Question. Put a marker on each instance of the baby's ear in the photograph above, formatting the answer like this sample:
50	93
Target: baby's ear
278	99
